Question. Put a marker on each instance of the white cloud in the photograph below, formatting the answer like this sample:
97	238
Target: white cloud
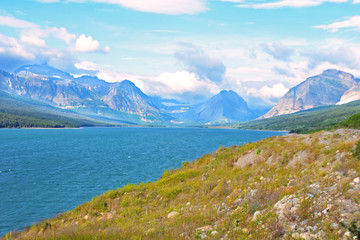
289	4
277	90
181	82
278	51
88	44
34	37
356	1
266	92
86	65
350	22
180	85
62	34
15	23
196	60
13	48
172	7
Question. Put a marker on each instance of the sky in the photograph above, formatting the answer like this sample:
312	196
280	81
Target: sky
186	50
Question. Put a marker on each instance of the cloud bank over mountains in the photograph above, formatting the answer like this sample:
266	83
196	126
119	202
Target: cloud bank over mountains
180	61
31	45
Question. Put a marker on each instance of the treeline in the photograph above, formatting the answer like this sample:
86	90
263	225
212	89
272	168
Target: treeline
14	121
20	112
353	122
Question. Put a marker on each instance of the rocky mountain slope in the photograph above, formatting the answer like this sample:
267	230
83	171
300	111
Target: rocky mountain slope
86	94
225	107
353	94
324	89
290	187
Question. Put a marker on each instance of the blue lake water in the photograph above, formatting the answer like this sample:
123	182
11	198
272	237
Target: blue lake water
47	171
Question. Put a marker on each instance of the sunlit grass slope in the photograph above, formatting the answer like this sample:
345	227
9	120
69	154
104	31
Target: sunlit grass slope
290	187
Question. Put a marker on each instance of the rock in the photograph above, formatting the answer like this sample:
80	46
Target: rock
86	217
347	234
334	226
357	180
305	236
295	235
214	233
188	204
203	235
255	216
204	229
172	215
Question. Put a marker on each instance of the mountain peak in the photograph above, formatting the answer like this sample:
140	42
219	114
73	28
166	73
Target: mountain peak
227	92
43	70
226	106
336	73
127	83
320	90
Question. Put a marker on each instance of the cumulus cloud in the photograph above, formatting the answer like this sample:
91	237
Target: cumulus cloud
172	7
278	50
16	23
267	93
350	22
62	34
342	56
31	45
277	91
197	61
288	4
88	44
181	85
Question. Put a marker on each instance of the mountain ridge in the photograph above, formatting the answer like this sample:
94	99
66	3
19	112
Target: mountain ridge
326	88
87	94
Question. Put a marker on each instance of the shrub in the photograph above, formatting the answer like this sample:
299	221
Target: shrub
356	152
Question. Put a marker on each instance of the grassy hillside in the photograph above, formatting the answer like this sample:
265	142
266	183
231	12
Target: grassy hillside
321	118
16	111
291	187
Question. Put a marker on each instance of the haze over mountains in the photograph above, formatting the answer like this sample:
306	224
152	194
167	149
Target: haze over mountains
125	102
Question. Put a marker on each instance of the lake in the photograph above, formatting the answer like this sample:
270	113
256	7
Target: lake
47	171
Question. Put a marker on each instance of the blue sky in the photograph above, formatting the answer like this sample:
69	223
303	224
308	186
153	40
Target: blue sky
186	49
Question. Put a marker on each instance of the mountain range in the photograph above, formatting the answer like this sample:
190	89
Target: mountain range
124	102
91	96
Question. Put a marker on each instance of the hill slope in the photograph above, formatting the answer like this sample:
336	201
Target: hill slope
17	111
309	120
291	187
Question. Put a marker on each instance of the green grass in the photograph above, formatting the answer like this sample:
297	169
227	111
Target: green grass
214	192
316	119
